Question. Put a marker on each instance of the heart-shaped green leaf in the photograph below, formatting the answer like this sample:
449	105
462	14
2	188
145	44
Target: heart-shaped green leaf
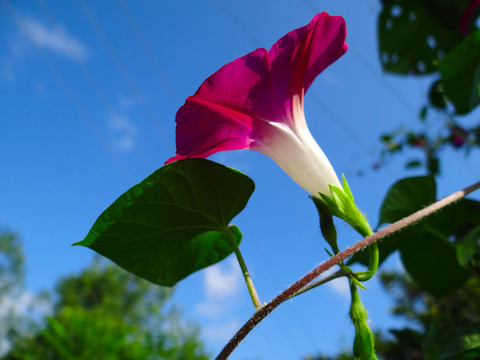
412	194
407	196
460	71
174	222
431	261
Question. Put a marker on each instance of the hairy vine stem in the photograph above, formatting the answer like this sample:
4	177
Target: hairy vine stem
341	256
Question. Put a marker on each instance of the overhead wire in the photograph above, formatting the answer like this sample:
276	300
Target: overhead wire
395	94
123	71
253	40
63	85
148	50
91	80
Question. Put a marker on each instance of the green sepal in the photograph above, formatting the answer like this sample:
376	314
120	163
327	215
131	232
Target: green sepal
346	189
326	224
342	204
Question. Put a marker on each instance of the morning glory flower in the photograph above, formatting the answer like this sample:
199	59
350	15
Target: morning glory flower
256	102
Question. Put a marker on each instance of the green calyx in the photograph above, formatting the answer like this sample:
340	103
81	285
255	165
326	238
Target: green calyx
342	204
326	224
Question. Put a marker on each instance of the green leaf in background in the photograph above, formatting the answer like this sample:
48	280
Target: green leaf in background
468	250
174	222
407	196
457	219
464	345
413	164
426	246
431	261
436	95
386	247
403	198
460	71
414	33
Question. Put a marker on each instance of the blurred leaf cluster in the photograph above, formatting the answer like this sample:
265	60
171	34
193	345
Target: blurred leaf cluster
438	39
101	313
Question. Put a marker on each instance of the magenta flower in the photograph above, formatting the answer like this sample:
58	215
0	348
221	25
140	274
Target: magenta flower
256	102
468	16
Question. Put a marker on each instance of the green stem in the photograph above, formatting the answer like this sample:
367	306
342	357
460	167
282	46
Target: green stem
373	260
321	281
363	227
248	280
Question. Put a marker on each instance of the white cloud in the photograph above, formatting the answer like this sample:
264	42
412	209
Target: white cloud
340	287
22	304
221	283
236	159
53	39
122	132
127	102
329	78
221	333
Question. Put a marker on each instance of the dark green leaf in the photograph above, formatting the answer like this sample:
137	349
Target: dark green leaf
469	247
413	164
326	224
407	196
460	71
385	247
414	33
436	95
457	219
433	164
174	222
464	345
386	137
431	261
423	113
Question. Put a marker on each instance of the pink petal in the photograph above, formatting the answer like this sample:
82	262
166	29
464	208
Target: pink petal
261	86
467	16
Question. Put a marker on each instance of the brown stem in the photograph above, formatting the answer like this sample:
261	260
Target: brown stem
289	292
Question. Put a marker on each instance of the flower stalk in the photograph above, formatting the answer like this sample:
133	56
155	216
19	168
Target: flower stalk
246	274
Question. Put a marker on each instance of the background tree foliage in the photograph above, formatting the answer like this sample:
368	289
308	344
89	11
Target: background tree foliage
17	316
11	278
438	40
101	313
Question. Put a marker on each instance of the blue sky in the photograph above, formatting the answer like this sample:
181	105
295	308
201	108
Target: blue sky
89	95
